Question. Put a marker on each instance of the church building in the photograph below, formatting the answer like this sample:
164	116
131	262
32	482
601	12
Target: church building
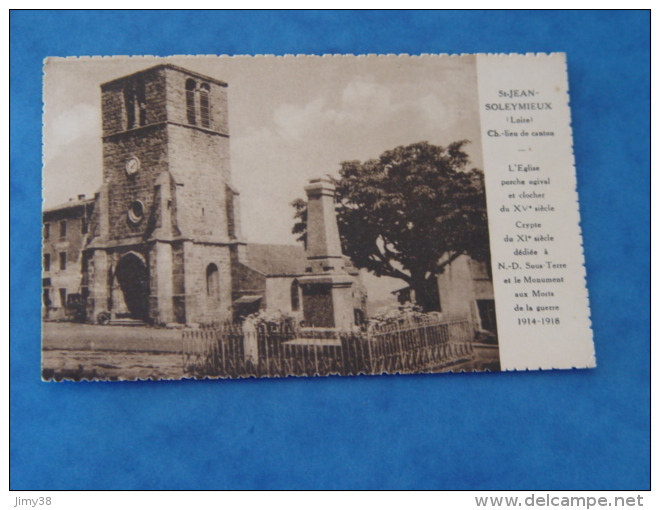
166	222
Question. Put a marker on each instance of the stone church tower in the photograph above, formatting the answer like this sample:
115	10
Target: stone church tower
166	220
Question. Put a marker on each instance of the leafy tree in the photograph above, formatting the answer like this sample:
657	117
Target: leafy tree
409	214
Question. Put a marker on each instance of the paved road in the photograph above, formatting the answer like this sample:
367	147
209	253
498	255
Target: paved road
69	335
81	351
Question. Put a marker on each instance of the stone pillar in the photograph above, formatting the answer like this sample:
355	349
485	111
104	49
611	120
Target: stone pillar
165	201
250	342
162	278
116	303
103	213
342	299
323	245
161	306
327	298
97	300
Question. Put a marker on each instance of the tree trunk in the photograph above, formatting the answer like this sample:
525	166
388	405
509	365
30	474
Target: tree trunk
427	295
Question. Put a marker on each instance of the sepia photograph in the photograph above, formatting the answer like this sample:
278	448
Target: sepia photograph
229	217
328	250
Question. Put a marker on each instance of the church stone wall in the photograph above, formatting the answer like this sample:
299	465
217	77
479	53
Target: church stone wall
149	145
278	293
178	283
200	306
200	161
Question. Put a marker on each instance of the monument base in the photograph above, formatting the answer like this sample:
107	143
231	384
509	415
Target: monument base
328	301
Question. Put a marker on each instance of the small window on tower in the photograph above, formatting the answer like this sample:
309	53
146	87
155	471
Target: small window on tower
129	103
190	101
212	281
136	105
204	107
63	228
141	103
136	212
63	261
46	262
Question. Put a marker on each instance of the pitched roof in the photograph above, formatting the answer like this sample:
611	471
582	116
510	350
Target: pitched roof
69	205
283	260
276	259
168	66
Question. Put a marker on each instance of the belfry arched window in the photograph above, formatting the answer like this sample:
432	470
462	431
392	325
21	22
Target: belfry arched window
212	281
295	296
135	101
204	107
129	103
190	101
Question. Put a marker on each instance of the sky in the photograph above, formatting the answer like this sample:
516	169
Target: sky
291	119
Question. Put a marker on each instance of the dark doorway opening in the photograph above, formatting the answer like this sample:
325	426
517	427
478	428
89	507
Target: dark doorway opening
487	314
133	278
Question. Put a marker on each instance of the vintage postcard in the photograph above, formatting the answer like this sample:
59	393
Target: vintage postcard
265	216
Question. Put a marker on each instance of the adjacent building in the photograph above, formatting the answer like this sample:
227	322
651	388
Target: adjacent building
65	233
465	290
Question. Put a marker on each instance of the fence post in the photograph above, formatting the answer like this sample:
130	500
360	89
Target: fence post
184	349
250	344
370	356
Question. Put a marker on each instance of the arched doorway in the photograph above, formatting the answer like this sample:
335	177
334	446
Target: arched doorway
133	278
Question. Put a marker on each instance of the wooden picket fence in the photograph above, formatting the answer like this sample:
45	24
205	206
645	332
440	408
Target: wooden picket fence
418	344
413	345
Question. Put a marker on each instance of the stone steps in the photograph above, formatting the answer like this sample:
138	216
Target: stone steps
126	322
